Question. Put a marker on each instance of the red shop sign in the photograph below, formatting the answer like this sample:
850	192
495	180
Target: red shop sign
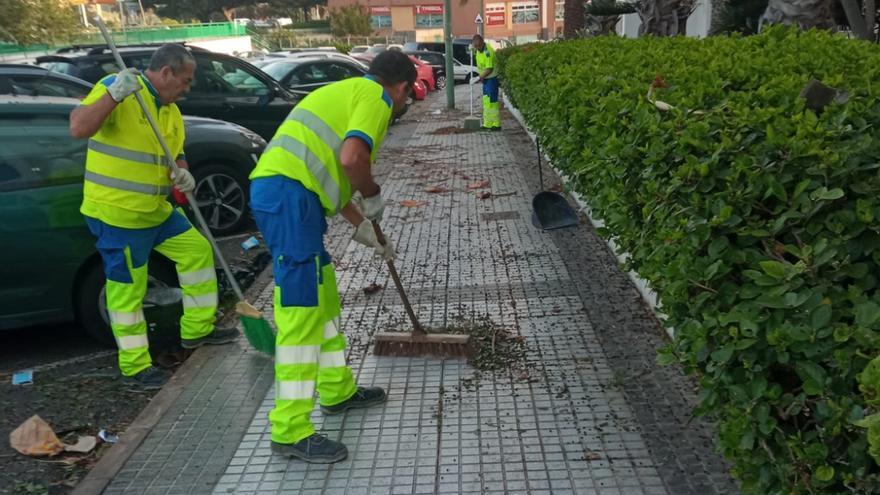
380	10
495	19
428	9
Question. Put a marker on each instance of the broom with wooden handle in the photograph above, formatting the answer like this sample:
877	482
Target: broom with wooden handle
257	330
418	342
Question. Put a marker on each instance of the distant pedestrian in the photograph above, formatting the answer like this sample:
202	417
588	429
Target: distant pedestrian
320	156
485	57
125	202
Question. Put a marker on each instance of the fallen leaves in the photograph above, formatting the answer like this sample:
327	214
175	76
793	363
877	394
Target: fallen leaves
484	195
591	456
373	288
436	189
478	185
412	203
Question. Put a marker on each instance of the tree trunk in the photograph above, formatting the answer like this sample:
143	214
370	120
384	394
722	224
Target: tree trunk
805	14
664	17
574	18
718	8
861	27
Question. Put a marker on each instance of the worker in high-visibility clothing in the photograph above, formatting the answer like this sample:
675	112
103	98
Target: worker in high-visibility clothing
485	58
319	157
126	207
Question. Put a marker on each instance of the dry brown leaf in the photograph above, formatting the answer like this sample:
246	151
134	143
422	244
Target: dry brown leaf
373	288
412	203
591	456
484	194
436	189
479	185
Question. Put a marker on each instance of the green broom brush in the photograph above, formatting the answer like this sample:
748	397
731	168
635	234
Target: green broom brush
257	330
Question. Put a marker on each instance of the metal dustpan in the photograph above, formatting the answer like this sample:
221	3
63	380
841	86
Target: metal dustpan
550	209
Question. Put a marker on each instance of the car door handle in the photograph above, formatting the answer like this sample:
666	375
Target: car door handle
227	107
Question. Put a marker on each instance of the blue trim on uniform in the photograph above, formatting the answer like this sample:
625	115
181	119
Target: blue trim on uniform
181	156
385	97
113	241
363	136
490	89
293	224
107	81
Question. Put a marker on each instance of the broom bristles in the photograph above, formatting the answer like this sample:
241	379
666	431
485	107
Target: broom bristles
257	330
410	345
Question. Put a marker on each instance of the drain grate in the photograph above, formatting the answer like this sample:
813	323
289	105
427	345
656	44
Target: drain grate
500	215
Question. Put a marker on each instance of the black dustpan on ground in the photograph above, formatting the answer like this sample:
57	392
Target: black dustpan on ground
550	209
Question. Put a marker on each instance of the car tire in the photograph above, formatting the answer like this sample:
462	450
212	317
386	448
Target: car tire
91	307
440	82
222	193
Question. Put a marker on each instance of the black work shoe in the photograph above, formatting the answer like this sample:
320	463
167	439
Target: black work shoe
152	378
364	397
317	449
220	335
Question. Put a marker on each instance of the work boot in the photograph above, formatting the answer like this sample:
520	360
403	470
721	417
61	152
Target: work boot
317	449
152	378
220	335
363	397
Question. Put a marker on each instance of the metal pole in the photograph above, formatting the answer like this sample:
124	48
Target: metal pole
450	69
483	16
471	86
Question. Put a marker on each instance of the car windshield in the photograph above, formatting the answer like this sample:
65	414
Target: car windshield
278	70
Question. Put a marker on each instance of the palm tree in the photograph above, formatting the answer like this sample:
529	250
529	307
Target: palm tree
805	14
574	19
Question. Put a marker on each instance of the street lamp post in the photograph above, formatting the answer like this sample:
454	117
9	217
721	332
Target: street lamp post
450	69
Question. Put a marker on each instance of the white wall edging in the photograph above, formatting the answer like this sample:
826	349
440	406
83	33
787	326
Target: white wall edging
648	294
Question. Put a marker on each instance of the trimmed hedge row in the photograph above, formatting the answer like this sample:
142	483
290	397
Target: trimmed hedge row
755	219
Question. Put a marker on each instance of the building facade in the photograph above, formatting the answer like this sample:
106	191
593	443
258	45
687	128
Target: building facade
519	21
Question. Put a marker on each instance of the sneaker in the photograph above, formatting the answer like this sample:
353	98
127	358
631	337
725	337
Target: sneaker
152	378
220	335
317	449
363	397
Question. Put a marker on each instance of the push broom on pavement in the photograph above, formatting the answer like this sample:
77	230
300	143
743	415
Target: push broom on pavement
257	330
418	342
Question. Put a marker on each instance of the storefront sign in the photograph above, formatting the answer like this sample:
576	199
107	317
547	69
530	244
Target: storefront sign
380	10
428	9
495	19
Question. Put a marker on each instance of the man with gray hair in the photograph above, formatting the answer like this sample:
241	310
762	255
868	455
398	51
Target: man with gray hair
125	202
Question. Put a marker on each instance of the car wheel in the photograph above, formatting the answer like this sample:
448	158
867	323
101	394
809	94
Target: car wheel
440	82
162	304
221	194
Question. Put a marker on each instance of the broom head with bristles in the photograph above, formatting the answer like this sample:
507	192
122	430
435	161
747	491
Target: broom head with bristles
422	344
257	330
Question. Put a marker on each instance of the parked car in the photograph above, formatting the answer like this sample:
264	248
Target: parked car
437	62
51	271
304	75
358	49
424	73
225	87
372	51
460	48
419	91
328	55
220	154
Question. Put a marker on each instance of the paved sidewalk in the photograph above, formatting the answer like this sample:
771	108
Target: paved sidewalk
586	411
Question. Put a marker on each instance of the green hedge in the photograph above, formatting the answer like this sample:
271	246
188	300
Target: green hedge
756	220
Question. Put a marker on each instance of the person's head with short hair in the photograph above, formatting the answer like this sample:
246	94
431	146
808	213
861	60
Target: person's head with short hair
171	71
478	42
397	73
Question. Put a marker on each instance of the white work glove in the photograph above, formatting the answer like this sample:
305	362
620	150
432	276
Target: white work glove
183	180
372	207
126	83
365	234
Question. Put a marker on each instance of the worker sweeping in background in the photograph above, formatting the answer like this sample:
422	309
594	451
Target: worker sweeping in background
485	56
320	156
126	207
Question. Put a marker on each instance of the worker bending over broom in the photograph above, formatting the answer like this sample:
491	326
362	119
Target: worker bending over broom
320	157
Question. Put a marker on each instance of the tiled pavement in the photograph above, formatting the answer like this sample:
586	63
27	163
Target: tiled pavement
594	414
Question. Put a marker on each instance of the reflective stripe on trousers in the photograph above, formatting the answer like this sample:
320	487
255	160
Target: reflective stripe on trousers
309	355
491	113
195	265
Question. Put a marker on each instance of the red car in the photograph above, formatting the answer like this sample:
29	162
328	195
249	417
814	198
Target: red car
420	91
425	73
